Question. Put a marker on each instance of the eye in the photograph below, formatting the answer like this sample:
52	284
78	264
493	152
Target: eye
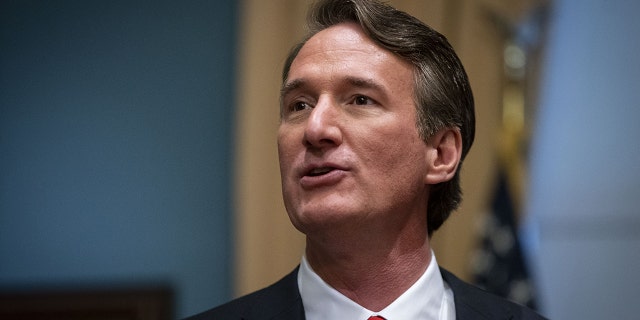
362	100
300	105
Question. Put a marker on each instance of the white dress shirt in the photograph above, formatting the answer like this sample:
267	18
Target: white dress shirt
429	298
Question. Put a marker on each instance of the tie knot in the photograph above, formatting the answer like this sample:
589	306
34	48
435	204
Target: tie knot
376	318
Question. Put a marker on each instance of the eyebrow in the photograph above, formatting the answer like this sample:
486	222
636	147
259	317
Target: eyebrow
291	86
365	83
357	82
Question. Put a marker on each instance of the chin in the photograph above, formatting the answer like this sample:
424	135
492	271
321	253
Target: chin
321	220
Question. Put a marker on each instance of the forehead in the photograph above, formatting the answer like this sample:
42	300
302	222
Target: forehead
344	49
343	36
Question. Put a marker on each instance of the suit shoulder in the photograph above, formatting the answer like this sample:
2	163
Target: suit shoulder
470	300
280	297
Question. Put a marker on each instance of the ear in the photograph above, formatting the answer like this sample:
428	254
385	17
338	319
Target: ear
444	152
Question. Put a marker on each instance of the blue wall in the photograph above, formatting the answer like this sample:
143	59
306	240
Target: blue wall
584	224
116	144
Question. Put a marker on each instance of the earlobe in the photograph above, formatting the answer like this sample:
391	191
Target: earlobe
444	153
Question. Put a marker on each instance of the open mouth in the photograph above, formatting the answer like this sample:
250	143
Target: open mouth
319	171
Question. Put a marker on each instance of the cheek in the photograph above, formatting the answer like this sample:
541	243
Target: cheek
399	141
398	155
287	153
284	147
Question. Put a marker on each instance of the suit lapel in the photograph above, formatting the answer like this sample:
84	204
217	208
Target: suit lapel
472	303
294	312
280	301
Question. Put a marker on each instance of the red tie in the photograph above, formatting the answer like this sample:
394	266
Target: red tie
376	318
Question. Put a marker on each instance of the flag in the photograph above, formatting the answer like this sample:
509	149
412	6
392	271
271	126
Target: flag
498	264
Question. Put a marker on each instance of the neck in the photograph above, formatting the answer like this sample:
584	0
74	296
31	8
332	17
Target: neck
371	269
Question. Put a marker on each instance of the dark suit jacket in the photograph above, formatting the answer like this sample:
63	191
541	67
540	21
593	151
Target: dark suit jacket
282	301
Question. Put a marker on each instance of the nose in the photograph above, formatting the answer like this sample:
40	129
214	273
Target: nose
323	126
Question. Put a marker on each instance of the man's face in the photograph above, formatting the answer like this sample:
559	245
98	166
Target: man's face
350	152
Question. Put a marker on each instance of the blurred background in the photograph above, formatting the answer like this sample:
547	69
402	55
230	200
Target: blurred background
137	151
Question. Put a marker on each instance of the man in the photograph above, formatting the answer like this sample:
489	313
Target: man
376	118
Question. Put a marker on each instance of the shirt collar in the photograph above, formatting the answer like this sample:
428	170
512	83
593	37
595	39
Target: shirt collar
321	301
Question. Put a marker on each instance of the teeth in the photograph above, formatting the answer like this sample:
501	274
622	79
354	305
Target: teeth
319	171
